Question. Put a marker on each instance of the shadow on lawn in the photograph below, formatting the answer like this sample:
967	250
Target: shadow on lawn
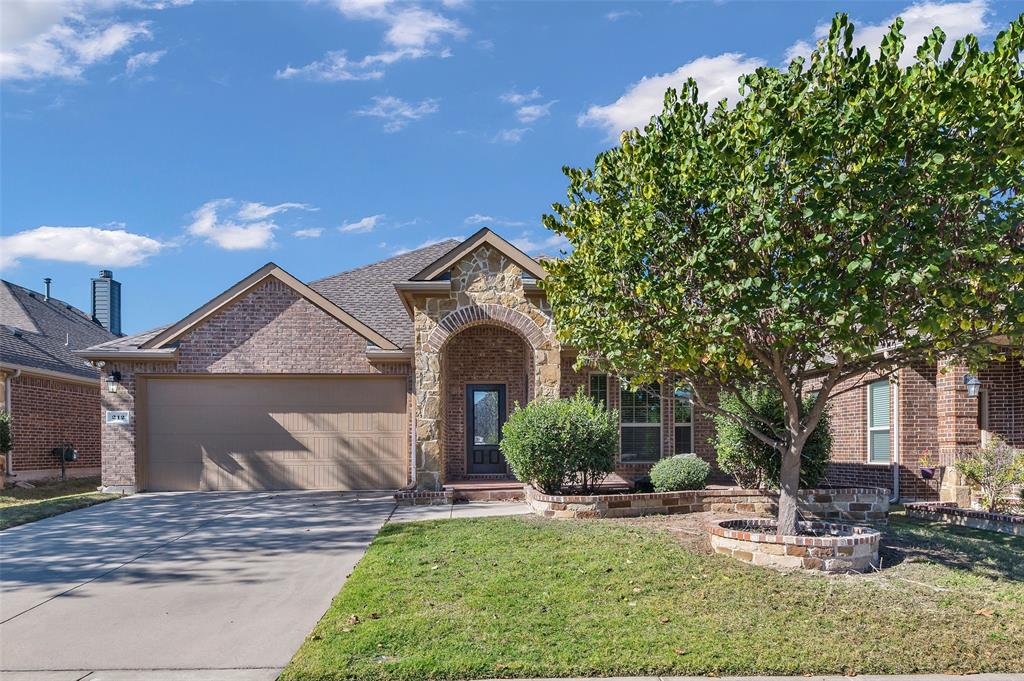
978	552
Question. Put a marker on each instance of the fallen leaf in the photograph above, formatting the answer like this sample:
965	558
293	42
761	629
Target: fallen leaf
353	619
664	620
984	612
680	651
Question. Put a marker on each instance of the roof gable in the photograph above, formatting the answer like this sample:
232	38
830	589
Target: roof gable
239	290
484	236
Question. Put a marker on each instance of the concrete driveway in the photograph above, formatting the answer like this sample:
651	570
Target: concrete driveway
224	585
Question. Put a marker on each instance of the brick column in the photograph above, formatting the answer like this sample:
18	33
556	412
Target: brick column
957	426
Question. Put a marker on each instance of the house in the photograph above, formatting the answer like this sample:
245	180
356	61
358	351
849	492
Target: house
53	396
396	373
924	416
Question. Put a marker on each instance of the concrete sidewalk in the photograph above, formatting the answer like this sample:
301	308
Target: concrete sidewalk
473	509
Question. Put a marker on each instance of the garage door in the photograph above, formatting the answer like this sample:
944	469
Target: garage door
275	433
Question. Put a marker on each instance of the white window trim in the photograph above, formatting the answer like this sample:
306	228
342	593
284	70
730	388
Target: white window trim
659	425
875	429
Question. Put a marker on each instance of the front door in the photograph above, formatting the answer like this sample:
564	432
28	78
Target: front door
485	415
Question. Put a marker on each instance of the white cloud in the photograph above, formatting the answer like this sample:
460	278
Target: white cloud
621	14
61	38
510	135
103	247
259	211
533	112
957	19
546	246
362	226
249	228
429	242
717	78
335	66
397	113
480	219
311	233
143	60
411	32
519	98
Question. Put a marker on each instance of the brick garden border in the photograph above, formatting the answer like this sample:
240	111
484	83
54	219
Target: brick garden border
850	549
949	512
848	504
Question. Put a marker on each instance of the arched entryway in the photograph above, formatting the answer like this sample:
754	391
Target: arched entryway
486	370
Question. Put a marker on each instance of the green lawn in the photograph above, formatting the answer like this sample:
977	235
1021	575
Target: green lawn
522	596
20	505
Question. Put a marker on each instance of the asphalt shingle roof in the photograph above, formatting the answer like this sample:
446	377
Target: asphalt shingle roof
42	334
368	293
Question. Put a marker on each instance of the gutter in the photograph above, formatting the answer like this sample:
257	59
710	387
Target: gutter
895	442
9	457
161	355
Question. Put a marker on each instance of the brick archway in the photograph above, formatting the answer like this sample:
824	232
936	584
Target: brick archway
474	315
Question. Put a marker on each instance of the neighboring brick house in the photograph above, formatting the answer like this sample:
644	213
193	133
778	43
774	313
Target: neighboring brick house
53	395
400	372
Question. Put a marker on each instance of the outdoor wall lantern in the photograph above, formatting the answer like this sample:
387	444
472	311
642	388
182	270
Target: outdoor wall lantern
112	380
973	384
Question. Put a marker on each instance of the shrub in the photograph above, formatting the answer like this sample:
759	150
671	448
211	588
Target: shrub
997	468
754	464
680	472
553	444
6	440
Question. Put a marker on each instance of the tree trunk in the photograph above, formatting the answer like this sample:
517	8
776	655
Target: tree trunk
789	485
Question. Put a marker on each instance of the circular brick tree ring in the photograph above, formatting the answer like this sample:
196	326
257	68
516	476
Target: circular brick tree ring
821	546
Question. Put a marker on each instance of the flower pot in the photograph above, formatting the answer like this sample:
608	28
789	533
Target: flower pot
927	473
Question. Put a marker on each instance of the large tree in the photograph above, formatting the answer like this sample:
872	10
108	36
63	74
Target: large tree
847	216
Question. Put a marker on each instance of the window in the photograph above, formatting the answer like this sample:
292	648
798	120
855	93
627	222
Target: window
879	448
598	388
683	412
640	420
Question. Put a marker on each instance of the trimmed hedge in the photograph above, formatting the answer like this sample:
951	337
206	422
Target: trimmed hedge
681	472
553	444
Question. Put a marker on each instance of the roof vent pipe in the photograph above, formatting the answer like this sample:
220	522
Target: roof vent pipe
46	287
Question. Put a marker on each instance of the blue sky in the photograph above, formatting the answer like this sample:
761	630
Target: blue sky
184	145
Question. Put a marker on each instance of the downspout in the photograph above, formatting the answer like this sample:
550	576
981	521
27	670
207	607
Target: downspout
895	442
412	445
8	402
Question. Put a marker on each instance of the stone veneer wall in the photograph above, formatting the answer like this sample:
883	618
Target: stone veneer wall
853	549
272	330
864	505
486	289
949	512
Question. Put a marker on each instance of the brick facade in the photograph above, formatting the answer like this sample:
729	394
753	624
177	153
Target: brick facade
490	327
271	330
480	354
935	419
48	413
